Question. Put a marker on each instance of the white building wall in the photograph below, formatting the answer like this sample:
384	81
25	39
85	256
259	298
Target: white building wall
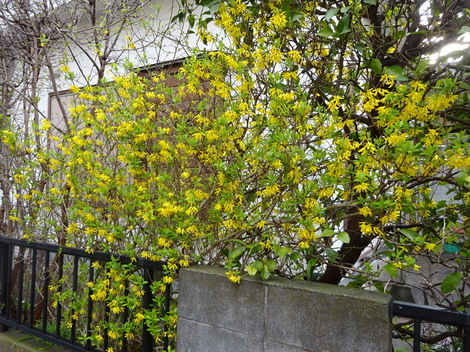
151	37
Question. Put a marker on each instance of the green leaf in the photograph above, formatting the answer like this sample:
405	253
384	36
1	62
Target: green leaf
330	13
379	285
191	20
376	66
237	241
327	233
213	5
235	254
326	32
344	237
398	72
265	273
402	349
461	178
255	248
451	282
332	254
281	251
359	48
271	265
257	265
294	256
251	270
412	235
343	25
180	16
391	270
297	17
371	2
464	29
208	3
310	266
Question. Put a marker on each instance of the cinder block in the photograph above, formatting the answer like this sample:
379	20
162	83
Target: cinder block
327	318
206	296
198	337
270	346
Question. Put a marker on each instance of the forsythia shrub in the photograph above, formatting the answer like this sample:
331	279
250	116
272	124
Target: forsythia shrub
288	150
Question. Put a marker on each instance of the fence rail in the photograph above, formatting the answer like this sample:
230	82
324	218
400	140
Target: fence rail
48	291
420	314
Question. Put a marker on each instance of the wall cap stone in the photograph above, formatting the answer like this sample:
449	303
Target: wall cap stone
344	291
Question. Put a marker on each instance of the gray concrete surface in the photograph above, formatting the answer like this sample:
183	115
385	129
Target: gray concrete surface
17	341
277	315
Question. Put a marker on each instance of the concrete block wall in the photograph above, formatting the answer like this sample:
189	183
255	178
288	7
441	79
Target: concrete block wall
278	315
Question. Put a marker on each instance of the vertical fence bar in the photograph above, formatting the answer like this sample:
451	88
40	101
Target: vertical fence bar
45	297
90	306
147	340
166	310
417	335
125	317
20	285
4	268
32	289
107	311
73	330
59	291
9	292
466	338
107	314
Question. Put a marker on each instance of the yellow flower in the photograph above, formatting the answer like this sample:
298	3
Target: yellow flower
74	89
364	186
117	310
388	80
184	262
269	191
138	318
417	85
19	178
439	102
296	56
397	265
167	279
366	228
365	211
233	277
45	125
279	20
430	246
334	103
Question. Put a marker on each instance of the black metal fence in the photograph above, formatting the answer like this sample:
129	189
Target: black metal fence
420	314
71	298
